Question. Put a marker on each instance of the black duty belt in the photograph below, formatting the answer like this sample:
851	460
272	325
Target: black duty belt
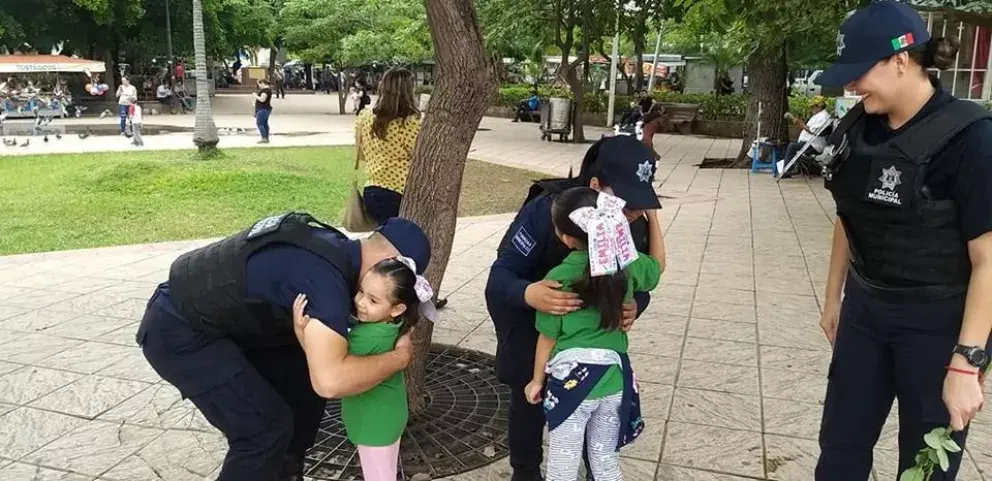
901	294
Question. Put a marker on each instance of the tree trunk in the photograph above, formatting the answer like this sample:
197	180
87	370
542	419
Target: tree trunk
766	80
571	77
640	32
204	131
342	80
463	89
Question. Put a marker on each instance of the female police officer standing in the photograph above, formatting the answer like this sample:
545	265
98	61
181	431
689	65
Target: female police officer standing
530	248
912	246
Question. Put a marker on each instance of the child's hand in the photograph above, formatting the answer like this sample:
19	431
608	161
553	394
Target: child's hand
300	320
628	317
533	391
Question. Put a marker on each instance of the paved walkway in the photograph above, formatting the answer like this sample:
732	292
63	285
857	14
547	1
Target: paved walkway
732	363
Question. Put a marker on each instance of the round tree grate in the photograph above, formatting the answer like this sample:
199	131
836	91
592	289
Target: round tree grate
464	427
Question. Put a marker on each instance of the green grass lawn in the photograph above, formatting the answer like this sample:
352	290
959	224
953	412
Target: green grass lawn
57	202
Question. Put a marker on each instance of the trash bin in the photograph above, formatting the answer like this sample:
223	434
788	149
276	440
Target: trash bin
424	100
556	118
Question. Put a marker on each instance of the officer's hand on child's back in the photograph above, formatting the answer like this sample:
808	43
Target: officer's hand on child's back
544	296
628	316
404	346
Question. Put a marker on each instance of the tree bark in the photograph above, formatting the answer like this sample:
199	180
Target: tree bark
640	32
463	89
766	80
204	130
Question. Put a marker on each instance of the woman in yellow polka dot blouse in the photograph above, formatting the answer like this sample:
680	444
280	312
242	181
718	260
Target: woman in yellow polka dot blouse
385	136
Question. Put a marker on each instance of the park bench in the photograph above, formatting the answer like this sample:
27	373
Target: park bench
681	116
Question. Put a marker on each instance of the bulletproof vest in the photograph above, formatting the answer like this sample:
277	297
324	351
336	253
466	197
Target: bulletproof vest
899	235
208	284
555	251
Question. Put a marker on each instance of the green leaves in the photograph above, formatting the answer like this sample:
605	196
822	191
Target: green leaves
356	32
938	444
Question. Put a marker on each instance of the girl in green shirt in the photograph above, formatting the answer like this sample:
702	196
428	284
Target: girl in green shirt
591	392
375	419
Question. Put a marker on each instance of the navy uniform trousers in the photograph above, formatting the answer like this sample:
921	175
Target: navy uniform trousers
887	349
262	400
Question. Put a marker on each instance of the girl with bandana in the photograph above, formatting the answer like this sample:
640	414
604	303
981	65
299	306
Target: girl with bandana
375	420
591	392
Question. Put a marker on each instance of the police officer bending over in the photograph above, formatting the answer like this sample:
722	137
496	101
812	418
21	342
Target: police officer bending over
221	331
912	246
620	165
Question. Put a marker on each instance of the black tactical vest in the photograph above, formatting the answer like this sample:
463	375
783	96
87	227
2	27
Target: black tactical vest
208	284
555	251
899	235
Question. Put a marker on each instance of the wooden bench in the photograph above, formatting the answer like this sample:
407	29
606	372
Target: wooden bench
681	116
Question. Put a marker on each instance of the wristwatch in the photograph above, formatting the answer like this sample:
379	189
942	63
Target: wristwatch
976	356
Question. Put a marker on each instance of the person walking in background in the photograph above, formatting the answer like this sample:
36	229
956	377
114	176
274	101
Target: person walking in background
364	99
135	118
263	109
280	81
126	96
385	136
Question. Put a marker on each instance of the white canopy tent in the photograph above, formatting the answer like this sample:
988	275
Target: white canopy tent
48	63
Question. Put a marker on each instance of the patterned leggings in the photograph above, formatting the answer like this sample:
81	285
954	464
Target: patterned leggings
597	419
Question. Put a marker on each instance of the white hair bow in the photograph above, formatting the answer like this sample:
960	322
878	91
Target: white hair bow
425	293
611	246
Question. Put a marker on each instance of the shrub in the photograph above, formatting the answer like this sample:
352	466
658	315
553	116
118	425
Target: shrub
731	107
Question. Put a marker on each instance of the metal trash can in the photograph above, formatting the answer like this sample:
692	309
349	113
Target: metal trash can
556	118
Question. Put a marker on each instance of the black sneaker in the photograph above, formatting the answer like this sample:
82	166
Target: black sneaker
292	468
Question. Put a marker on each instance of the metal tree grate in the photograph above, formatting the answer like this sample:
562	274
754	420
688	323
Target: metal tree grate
464	427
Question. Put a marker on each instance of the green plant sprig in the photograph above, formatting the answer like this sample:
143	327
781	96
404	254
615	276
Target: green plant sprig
935	453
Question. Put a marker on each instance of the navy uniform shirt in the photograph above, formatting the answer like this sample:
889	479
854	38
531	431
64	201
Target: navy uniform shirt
962	171
277	273
521	262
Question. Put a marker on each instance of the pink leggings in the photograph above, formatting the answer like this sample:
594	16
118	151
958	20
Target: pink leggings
379	462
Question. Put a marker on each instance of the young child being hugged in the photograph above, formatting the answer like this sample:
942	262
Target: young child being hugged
375	419
591	391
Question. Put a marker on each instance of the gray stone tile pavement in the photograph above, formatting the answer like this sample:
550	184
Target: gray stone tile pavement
732	363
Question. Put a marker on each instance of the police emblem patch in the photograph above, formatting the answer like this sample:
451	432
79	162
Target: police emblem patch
891	186
644	171
266	225
890	178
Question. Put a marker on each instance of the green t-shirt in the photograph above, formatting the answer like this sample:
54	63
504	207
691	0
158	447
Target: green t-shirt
581	328
376	417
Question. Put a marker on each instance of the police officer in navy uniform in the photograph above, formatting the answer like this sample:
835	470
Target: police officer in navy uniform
221	331
529	249
910	173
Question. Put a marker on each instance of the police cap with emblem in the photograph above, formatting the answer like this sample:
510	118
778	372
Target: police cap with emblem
627	166
871	34
408	238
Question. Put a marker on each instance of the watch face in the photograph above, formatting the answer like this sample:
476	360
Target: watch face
979	358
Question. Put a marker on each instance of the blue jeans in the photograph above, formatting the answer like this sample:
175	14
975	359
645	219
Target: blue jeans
262	121
122	110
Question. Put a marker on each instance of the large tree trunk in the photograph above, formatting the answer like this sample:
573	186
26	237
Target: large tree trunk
640	32
766	80
204	131
463	90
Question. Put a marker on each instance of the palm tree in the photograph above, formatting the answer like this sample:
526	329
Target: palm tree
204	130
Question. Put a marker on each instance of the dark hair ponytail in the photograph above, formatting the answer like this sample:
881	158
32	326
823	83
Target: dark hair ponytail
604	293
939	53
404	280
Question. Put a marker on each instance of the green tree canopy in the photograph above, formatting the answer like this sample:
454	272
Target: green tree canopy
356	32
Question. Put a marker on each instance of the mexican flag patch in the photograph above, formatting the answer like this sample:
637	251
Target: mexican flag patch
902	42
